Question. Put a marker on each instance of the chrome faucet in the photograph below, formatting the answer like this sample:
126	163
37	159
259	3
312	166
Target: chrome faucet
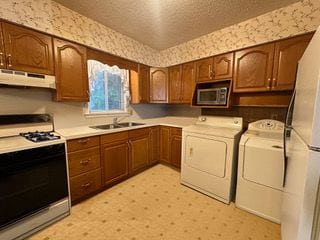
115	121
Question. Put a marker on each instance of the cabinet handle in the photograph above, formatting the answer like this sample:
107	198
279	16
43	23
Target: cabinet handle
269	83
83	141
190	152
210	71
85	162
1	59
86	185
9	60
274	80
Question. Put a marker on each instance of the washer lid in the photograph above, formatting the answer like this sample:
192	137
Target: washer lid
215	131
265	143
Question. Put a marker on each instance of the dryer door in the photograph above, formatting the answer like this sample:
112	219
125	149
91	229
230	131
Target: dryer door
206	154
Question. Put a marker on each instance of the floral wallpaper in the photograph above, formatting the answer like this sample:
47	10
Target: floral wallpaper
298	18
53	18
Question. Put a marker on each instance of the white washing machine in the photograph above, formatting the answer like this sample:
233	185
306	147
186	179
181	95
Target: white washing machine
209	154
261	169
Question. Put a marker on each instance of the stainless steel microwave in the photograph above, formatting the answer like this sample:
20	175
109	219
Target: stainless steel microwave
212	96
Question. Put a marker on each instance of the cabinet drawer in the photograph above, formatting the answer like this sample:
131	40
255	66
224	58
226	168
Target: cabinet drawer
138	132
114	137
82	143
85	184
83	161
175	131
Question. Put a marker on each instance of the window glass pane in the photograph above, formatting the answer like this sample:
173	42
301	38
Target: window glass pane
108	87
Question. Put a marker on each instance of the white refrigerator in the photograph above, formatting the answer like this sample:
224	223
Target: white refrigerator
300	218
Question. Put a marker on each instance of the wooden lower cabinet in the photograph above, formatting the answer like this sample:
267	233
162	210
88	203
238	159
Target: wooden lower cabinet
175	144
85	184
154	145
170	145
115	158
165	144
139	147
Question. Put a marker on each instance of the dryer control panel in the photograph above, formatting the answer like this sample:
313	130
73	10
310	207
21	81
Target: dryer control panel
266	125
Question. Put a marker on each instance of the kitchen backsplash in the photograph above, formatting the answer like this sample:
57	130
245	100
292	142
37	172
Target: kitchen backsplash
249	114
53	18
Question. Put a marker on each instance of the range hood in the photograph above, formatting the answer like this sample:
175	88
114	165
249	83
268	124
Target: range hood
19	78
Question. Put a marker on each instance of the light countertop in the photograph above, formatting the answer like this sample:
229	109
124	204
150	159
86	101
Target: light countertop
86	131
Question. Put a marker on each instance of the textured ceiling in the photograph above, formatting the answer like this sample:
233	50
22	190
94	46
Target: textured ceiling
165	23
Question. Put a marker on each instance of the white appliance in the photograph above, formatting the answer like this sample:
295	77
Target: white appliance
209	154
261	169
300	206
19	78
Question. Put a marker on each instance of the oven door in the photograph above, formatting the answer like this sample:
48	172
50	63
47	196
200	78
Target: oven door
208	96
31	180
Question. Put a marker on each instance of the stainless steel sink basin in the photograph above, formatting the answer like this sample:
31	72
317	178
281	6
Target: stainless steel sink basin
119	125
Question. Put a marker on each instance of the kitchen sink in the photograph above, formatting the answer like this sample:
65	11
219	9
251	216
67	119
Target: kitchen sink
118	125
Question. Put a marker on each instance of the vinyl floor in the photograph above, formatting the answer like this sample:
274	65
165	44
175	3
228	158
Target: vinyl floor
154	205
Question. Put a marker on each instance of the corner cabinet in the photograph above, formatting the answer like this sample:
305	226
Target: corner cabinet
140	84
175	84
158	85
71	71
170	145
139	150
154	145
26	50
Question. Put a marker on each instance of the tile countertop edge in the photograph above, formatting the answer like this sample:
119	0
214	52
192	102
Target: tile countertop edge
86	131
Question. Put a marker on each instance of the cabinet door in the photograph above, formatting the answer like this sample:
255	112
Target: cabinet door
71	71
188	82
154	138
223	66
204	70
114	162
28	50
253	69
144	83
165	144
3	63
139	156
175	153
175	84
158	85
287	54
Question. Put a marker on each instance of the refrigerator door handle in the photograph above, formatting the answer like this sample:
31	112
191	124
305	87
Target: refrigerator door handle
285	158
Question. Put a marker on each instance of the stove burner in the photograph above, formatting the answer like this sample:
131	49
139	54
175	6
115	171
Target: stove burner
39	136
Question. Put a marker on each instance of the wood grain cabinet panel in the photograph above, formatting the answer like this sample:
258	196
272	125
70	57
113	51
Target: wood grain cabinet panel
223	66
71	71
82	143
115	160
84	184
144	83
253	69
175	84
27	50
188	82
154	145
175	153
83	161
165	144
158	85
139	156
3	62
204	70
287	54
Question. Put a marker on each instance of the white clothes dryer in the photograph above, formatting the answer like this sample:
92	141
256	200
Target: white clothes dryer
261	169
209	154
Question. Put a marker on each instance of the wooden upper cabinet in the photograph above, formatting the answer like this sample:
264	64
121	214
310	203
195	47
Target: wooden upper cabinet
253	69
204	70
158	85
140	84
175	85
287	54
26	50
144	83
188	82
71	71
3	62
223	66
